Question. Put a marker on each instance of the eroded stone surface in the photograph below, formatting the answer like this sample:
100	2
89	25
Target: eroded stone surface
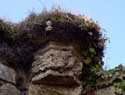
56	71
106	91
7	73
7	81
39	89
57	65
8	89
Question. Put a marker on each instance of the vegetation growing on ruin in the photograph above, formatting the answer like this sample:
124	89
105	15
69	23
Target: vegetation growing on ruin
19	41
24	38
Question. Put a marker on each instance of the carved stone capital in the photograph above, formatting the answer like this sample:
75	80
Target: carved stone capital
57	65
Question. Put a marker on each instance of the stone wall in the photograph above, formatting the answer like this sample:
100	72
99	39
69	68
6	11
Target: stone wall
48	52
7	81
56	71
40	89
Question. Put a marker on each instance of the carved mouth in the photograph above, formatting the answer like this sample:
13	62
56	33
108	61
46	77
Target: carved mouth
56	78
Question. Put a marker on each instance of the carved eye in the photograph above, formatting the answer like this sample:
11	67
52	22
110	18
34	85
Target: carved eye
51	54
64	49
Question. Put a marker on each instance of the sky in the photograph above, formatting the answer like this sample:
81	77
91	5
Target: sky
109	13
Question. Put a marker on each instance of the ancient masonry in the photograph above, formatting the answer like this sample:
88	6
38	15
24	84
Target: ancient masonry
51	53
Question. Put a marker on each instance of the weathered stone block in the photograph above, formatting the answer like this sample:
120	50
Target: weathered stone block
57	65
8	89
7	81
7	73
56	71
39	89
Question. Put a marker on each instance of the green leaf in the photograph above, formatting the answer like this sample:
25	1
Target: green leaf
81	27
92	50
123	82
87	60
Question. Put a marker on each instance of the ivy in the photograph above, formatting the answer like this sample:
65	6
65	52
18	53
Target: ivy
87	60
92	51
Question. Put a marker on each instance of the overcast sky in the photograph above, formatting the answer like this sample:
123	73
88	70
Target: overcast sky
109	13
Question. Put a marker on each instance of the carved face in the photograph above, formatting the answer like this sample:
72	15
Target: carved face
57	63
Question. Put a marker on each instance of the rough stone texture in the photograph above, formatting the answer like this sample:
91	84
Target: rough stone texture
57	65
56	71
7	73
106	91
7	81
36	89
8	89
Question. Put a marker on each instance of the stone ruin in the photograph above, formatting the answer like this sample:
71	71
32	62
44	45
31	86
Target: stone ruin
56	71
7	81
51	53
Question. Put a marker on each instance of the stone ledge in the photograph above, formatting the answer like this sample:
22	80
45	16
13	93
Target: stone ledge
40	89
55	78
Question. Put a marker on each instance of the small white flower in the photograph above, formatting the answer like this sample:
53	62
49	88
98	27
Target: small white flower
90	33
49	25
